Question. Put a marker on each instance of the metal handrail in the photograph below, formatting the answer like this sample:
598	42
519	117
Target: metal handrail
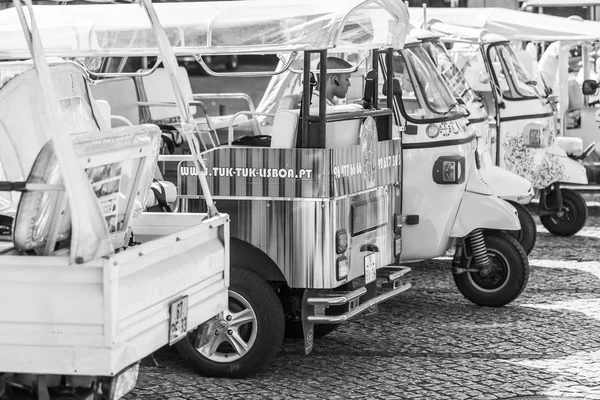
285	67
140	73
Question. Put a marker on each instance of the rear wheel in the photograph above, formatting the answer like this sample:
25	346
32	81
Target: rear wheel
247	338
528	233
508	278
573	218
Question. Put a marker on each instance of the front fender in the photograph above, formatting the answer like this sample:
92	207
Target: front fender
508	185
574	172
484	212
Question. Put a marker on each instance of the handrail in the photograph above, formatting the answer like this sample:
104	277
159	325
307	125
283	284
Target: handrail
239	96
350	70
237	114
140	73
285	67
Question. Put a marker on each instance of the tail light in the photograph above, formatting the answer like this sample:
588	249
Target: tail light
341	268
341	241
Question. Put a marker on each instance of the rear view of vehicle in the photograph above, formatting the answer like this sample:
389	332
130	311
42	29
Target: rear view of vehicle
90	283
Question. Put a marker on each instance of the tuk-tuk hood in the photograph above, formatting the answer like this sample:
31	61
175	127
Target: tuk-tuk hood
218	27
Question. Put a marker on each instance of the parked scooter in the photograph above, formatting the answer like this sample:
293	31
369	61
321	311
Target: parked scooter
525	143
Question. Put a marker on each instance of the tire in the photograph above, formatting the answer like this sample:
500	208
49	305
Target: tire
527	236
574	219
232	63
508	280
263	333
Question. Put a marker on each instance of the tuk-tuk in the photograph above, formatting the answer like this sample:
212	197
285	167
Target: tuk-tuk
316	210
525	122
507	185
447	211
91	283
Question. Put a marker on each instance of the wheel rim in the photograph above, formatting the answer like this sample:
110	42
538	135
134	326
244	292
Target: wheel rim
570	215
497	279
234	334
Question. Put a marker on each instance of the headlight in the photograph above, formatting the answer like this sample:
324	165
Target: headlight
449	170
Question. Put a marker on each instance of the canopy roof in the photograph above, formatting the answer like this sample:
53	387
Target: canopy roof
261	26
512	24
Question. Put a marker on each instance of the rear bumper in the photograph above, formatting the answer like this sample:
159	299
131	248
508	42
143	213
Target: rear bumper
356	300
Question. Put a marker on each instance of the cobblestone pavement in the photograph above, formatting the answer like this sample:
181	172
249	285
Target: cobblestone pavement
431	343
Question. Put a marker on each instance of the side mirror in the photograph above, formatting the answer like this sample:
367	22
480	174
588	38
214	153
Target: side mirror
589	87
484	77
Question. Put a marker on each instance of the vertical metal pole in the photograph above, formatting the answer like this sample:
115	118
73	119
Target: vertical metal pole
375	99
322	98
305	99
389	61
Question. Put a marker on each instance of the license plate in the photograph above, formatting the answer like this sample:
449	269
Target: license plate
178	313
370	268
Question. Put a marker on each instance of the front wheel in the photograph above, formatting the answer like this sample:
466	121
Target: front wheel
508	278
528	233
247	337
573	218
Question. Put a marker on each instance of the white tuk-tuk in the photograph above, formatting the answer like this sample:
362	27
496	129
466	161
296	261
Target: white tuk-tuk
525	122
507	185
90	283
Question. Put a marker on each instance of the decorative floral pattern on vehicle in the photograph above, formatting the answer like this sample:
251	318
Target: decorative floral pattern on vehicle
520	160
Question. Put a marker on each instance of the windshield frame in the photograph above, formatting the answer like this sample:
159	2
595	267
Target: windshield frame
416	78
437	48
514	93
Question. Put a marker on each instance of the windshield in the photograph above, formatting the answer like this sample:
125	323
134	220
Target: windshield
454	78
512	77
424	93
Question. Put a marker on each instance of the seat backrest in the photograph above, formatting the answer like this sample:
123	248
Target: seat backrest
341	133
290	101
285	128
156	87
121	94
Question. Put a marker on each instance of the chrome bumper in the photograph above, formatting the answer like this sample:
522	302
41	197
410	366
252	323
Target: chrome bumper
320	301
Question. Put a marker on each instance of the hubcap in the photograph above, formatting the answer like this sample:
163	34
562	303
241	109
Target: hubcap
497	278
235	334
566	216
